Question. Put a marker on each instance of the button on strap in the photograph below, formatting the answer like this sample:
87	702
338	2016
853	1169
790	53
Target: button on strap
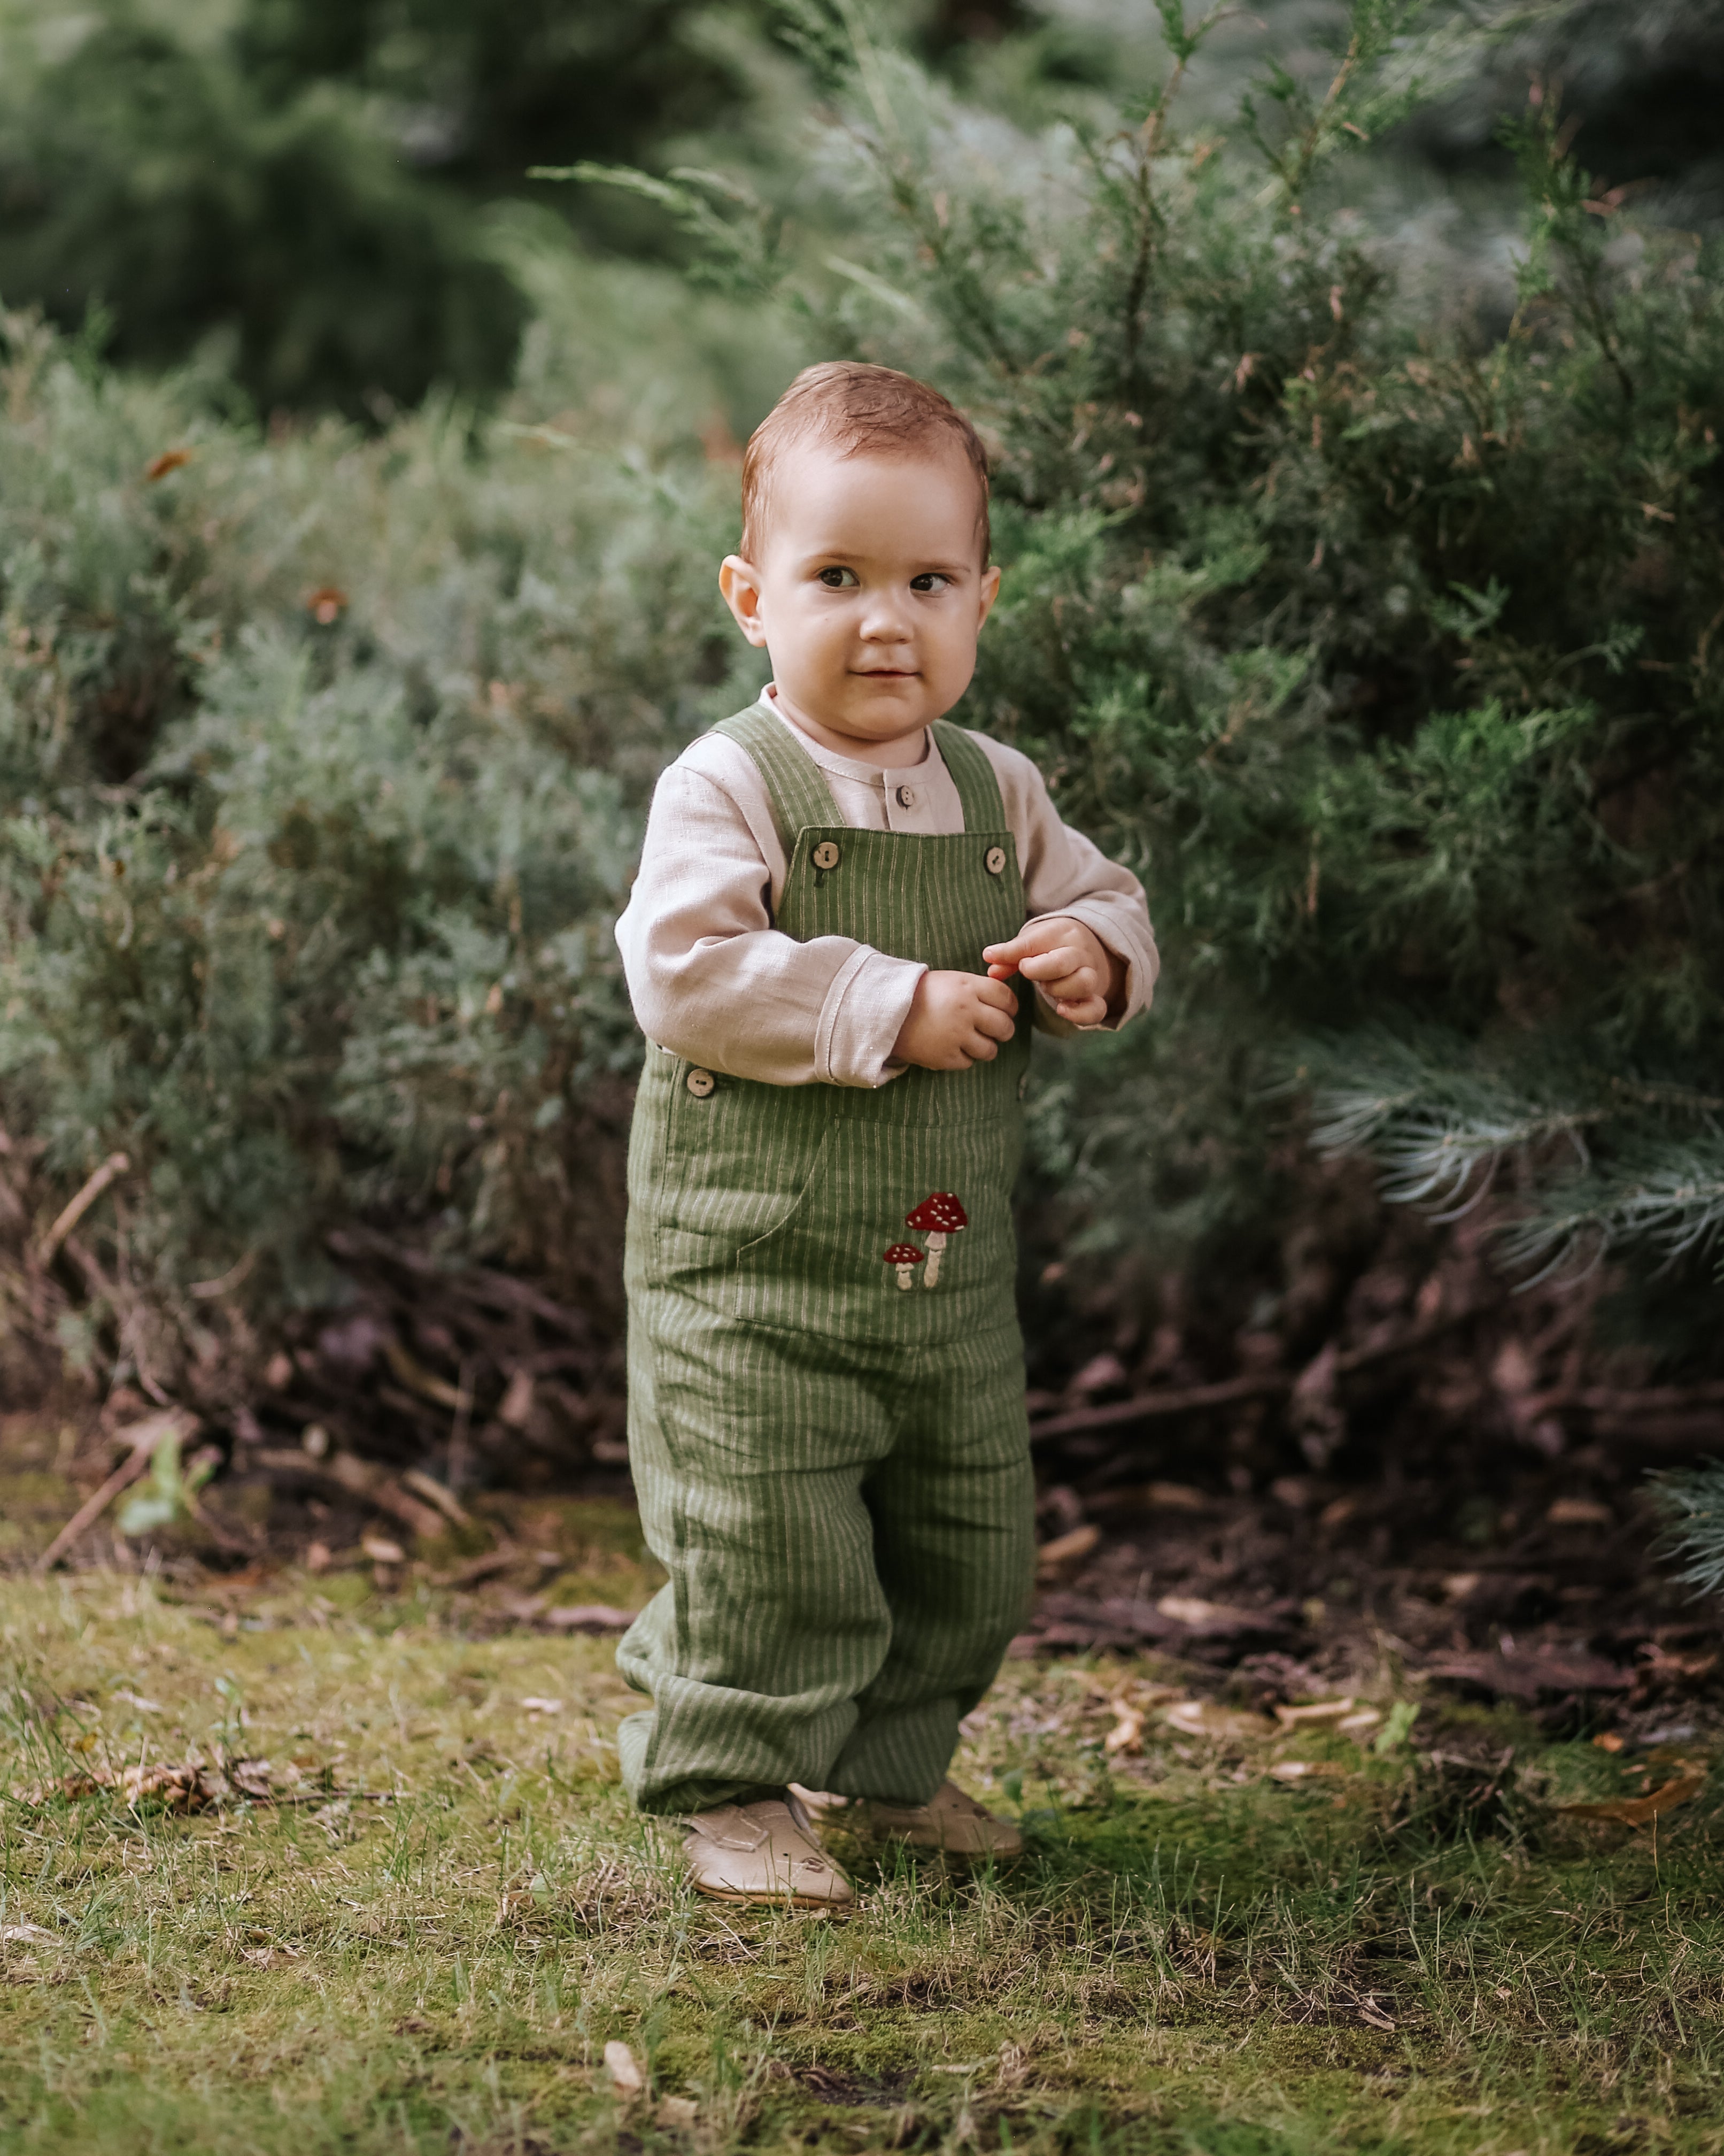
994	860
700	1083
826	855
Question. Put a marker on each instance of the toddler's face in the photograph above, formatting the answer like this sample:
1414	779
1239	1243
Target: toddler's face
870	592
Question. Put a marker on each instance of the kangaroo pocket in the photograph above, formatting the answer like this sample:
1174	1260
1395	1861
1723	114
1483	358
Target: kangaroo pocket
844	1259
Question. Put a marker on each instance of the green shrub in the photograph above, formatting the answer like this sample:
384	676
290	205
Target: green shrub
323	764
1390	652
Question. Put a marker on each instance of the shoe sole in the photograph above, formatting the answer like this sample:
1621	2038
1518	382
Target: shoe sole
737	1895
949	1848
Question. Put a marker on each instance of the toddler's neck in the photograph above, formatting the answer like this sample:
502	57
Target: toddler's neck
899	753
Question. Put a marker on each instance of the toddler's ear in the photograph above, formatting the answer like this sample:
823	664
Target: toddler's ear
740	582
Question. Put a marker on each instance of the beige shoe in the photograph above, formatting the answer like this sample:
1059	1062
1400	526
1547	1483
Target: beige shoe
765	1851
951	1821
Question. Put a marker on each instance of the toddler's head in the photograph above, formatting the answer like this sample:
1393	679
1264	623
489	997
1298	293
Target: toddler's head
863	568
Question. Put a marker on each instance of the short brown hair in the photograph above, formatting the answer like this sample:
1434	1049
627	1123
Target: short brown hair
856	409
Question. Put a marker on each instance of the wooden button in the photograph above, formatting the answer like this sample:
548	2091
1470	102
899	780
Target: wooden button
907	797
826	856
700	1083
995	862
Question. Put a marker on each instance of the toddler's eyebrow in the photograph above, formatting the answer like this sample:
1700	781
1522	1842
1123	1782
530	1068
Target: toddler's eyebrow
823	557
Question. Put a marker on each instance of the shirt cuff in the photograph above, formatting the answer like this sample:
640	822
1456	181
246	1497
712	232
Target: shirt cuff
862	1017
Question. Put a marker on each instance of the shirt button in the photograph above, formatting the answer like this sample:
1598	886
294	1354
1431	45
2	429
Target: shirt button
826	855
907	797
700	1083
995	860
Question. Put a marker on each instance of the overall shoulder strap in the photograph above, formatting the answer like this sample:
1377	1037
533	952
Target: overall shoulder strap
972	775
795	785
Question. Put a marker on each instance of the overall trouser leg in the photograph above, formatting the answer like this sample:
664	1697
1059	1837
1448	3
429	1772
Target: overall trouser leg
751	1449
954	1549
849	1541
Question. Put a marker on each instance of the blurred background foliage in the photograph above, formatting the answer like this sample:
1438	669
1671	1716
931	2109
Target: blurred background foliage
1355	422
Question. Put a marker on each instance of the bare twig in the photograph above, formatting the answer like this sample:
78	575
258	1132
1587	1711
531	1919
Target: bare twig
433	1493
144	1437
117	1164
1193	1399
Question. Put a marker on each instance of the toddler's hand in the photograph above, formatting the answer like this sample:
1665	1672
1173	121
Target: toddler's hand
1070	963
956	1019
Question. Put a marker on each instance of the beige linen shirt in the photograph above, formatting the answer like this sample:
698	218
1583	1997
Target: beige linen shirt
712	979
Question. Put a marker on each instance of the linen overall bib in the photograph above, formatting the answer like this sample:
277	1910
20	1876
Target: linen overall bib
830	1448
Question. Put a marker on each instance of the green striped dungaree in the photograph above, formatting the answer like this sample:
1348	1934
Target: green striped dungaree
831	1449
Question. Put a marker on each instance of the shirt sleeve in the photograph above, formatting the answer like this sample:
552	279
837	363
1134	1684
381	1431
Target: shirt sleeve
710	977
1067	875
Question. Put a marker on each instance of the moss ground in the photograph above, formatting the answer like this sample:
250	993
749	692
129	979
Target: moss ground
1194	1956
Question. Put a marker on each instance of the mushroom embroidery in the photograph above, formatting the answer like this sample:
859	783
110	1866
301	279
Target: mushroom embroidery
906	1257
939	1217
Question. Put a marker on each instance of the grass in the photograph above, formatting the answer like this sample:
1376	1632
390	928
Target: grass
1192	1957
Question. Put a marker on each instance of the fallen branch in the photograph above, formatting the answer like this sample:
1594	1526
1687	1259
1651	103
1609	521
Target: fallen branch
352	1476
1149	1405
1193	1398
115	1164
144	1438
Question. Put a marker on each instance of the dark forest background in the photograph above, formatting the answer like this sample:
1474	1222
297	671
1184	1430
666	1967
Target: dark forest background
374	380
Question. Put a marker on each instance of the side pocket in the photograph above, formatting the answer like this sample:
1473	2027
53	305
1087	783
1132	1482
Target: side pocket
790	1221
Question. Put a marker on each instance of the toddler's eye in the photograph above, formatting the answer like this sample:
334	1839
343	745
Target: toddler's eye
837	580
929	581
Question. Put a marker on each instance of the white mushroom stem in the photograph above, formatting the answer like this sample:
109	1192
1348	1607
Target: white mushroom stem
904	1273
937	1244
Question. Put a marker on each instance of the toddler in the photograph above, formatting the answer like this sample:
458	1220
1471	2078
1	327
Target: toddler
826	1417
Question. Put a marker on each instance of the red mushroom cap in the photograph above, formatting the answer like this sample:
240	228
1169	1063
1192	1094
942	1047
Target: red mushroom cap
941	1214
904	1254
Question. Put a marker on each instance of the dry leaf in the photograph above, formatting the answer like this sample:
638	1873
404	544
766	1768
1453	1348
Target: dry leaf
1067	1549
536	1706
1178	1497
326	605
1608	1741
587	1617
1579	1512
1197	1615
251	1777
1127	1734
1635	1811
624	2068
26	1935
1202	1717
1303	1770
181	1789
381	1551
1360	1724
1316	1710
169	460
677	2112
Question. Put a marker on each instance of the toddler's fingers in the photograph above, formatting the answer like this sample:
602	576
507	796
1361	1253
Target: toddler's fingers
1089	1010
1062	962
997	1024
996	994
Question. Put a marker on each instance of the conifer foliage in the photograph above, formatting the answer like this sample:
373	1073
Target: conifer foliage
1391	653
